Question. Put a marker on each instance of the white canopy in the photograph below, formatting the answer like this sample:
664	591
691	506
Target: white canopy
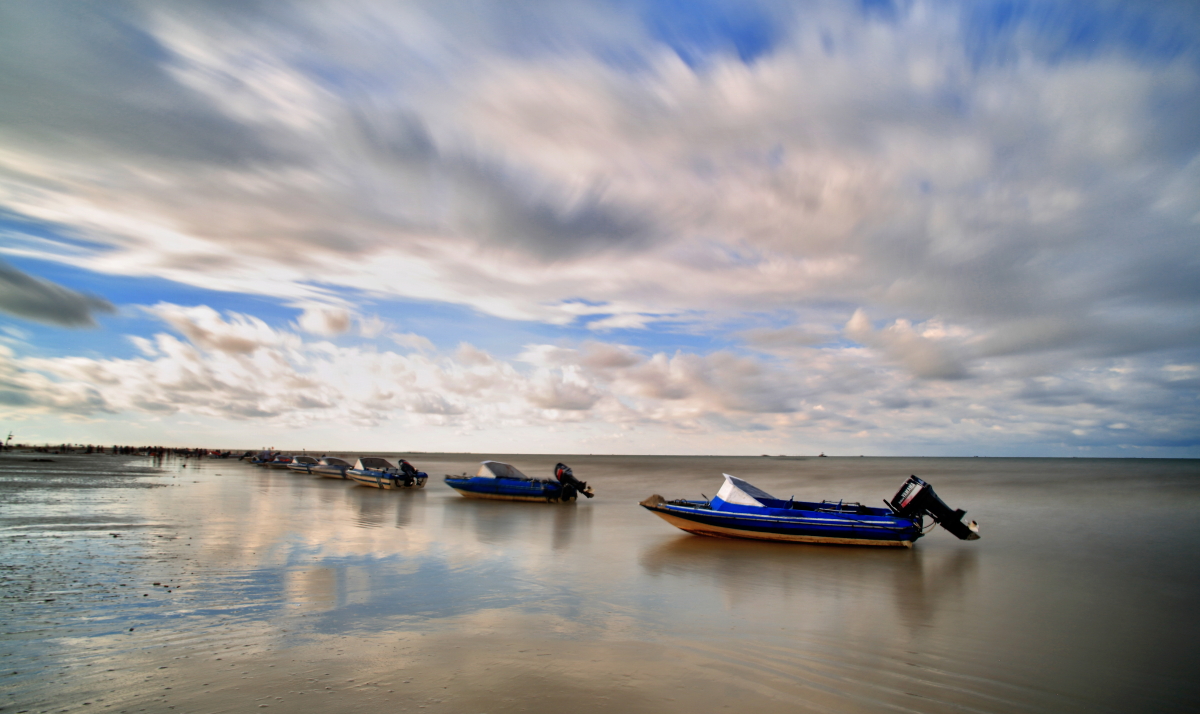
735	490
497	469
374	463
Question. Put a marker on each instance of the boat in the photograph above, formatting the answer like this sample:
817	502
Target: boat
740	510
377	472
327	466
263	458
499	481
301	463
279	462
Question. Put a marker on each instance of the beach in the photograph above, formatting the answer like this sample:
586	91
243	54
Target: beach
208	585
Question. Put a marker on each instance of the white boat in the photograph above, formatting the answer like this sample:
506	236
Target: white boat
330	467
301	463
377	472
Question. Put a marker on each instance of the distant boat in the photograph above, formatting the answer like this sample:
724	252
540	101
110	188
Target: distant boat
301	463
262	458
279	462
741	510
822	455
380	473
327	466
504	482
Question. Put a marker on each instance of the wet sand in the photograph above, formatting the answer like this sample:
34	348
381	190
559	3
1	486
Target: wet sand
248	589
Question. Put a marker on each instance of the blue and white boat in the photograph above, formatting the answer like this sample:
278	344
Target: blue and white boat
499	481
377	472
301	463
741	510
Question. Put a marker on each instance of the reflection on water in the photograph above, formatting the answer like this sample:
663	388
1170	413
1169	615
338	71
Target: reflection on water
498	522
915	582
197	558
570	524
376	507
937	581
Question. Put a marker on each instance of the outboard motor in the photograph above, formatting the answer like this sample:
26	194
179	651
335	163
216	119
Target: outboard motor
917	498
570	484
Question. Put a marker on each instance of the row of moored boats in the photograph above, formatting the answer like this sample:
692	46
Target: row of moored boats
739	510
495	480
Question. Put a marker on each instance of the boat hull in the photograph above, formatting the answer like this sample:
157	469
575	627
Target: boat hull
329	472
831	529
338	472
383	480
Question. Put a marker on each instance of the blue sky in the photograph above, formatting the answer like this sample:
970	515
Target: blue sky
918	228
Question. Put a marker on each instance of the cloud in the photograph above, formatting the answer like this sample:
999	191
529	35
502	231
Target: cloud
788	339
40	300
655	403
883	164
564	390
371	327
1011	205
621	322
325	321
412	341
924	357
205	328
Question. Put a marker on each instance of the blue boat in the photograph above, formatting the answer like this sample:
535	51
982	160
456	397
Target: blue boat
380	473
741	510
504	482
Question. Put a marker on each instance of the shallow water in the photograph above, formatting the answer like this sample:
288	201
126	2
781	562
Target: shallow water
215	586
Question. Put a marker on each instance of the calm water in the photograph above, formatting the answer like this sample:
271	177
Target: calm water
275	589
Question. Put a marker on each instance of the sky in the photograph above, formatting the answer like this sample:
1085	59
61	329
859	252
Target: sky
912	228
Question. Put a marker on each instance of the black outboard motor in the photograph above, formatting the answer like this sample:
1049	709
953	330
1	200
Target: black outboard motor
408	473
916	498
570	484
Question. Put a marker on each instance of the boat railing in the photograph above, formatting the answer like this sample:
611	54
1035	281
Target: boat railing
689	503
840	507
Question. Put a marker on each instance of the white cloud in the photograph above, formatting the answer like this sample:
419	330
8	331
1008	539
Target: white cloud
205	328
412	341
621	322
1015	217
921	352
534	178
325	321
371	326
273	381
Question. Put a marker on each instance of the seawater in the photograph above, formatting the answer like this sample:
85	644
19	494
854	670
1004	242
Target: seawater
210	585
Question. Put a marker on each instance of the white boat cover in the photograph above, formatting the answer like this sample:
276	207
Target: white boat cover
735	490
372	462
497	469
304	460
334	461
